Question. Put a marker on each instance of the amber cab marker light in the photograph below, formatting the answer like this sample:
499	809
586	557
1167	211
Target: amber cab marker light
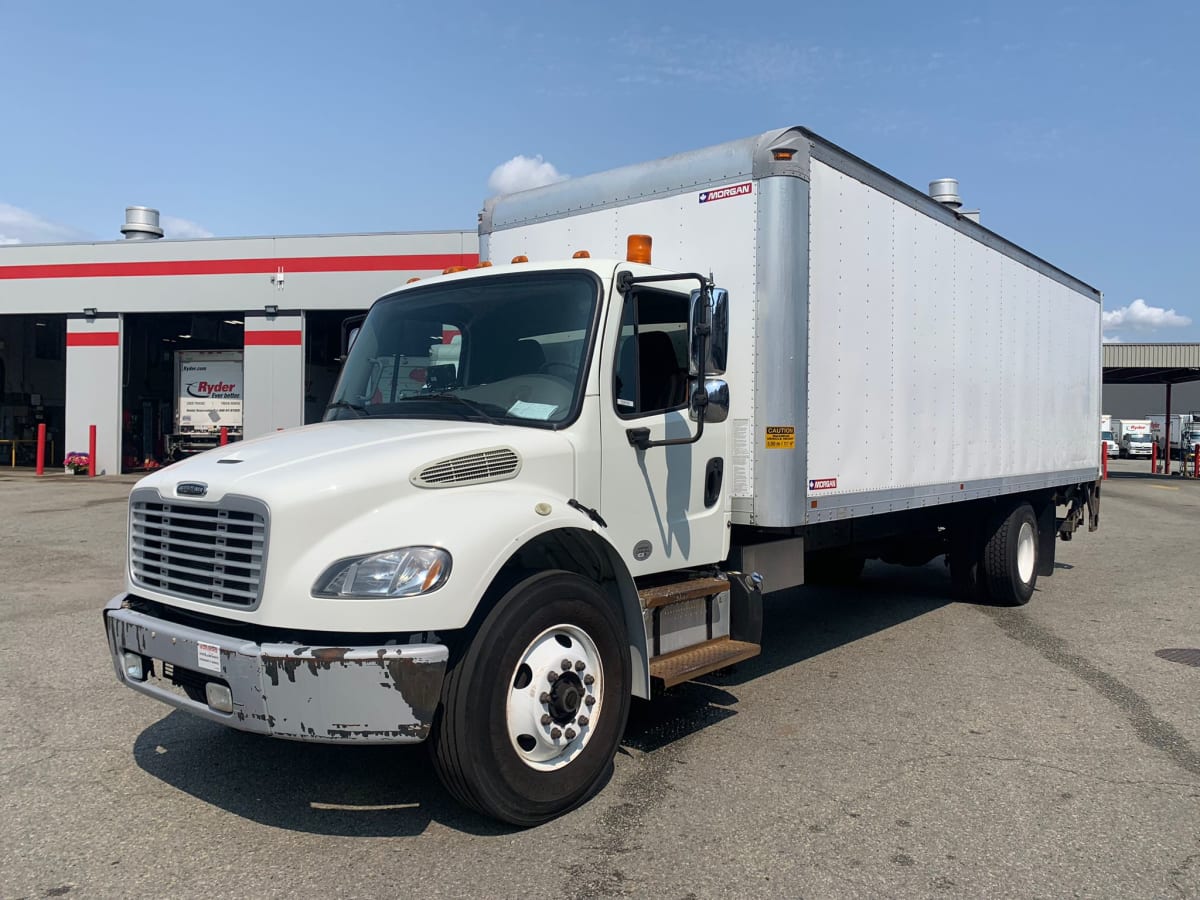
414	278
486	264
783	155
637	248
450	270
581	254
520	259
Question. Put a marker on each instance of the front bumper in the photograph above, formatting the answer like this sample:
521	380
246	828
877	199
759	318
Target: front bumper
377	694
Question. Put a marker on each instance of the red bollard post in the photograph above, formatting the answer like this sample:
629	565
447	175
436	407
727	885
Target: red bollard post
1104	460
1154	458
224	435
41	453
91	451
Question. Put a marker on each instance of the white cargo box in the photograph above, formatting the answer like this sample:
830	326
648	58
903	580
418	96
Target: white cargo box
886	352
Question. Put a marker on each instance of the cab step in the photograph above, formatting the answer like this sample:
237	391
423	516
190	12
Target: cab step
681	591
689	663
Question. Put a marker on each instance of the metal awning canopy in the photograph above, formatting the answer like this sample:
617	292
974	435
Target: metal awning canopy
1151	363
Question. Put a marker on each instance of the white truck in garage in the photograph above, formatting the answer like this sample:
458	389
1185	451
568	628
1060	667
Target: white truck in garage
208	400
1133	437
777	376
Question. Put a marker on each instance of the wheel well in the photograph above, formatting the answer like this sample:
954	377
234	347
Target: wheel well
583	553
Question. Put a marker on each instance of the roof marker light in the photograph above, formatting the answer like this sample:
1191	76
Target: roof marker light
637	248
520	259
581	254
783	154
484	264
414	278
450	270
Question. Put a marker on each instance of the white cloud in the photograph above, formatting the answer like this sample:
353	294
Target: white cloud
20	226
1111	338
521	173
1140	316
174	227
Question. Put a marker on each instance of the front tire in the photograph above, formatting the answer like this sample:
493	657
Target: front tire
1010	558
535	707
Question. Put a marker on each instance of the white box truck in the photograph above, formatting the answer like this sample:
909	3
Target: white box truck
1107	438
1133	437
1185	431
208	398
585	500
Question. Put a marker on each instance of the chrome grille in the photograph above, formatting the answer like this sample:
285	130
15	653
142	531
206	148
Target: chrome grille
473	468
214	554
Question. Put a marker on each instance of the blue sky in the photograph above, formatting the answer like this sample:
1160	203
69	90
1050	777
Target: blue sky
1074	127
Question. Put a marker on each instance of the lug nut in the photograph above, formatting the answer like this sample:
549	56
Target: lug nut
569	734
583	720
545	698
546	720
579	665
566	665
590	700
588	679
552	677
555	734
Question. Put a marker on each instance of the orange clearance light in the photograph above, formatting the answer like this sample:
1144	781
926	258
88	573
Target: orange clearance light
638	248
486	264
520	259
581	254
411	280
450	270
783	155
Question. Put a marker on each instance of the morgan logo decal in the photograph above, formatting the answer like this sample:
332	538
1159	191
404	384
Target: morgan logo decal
736	190
822	484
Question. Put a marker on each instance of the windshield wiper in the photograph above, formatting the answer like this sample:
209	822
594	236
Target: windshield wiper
346	404
474	407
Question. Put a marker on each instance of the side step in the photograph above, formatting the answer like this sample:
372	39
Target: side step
692	662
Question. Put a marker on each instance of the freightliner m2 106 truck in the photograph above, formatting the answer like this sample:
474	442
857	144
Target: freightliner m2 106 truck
617	445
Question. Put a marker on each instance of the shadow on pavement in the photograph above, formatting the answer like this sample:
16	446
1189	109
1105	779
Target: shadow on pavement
394	791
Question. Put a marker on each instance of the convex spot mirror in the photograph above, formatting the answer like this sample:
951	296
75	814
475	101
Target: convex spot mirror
716	348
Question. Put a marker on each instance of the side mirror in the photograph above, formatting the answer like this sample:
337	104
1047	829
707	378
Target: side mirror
350	329
716	409
715	314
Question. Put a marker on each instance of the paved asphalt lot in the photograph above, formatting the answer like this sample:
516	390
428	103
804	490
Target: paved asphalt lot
888	743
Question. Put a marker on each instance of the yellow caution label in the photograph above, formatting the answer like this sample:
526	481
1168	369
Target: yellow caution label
781	437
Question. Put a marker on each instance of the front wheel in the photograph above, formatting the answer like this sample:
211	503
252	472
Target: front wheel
534	709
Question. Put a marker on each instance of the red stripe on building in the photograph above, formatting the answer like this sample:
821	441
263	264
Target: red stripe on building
93	338
273	338
421	262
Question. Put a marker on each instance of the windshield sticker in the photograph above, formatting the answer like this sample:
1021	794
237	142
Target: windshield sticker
522	409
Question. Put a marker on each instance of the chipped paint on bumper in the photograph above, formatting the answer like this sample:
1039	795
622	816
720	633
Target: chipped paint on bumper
378	694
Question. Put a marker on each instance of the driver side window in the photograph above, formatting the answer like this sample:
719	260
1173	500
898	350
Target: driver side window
650	374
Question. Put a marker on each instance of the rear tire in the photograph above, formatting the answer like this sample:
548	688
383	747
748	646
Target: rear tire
493	746
1010	557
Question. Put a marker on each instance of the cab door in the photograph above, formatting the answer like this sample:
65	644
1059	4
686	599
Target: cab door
665	506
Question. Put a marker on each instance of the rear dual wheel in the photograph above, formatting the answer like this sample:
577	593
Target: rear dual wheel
997	564
534	709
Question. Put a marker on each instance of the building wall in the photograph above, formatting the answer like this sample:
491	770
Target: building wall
1133	401
95	285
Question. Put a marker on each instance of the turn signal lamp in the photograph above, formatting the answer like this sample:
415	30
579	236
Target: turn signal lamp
411	280
783	154
581	254
520	259
450	270
637	248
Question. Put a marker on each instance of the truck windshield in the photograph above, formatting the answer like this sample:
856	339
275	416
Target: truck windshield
505	348
1138	438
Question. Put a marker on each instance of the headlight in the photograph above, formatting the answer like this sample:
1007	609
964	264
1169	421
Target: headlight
405	572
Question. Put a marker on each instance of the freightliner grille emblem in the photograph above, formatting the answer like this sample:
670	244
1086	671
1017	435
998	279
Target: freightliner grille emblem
191	489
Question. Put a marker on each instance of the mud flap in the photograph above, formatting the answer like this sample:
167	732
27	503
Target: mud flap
1047	537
